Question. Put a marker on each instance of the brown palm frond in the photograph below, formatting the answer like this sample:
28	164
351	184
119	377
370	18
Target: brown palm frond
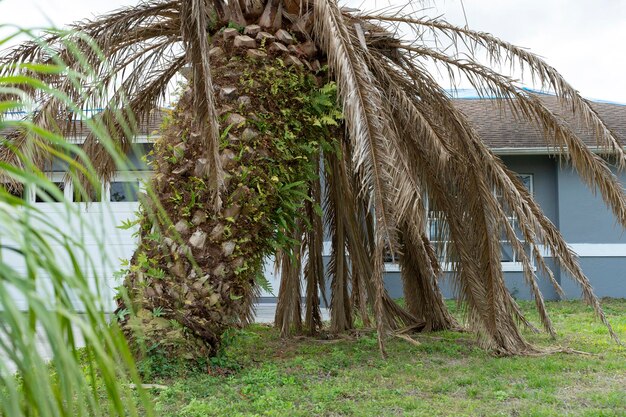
595	170
145	61
419	270
361	233
349	211
193	32
86	43
496	293
314	267
288	315
358	98
591	167
408	124
493	254
499	51
121	126
338	272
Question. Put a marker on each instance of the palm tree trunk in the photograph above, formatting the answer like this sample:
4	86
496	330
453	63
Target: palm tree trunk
193	275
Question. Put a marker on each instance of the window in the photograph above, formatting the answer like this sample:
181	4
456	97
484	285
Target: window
527	180
124	187
13	190
124	191
139	156
87	194
47	196
509	255
438	234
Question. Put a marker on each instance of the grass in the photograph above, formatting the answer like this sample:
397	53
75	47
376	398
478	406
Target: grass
447	375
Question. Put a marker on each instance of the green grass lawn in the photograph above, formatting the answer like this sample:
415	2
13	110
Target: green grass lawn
447	375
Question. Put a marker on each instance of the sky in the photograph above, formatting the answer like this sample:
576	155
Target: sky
583	39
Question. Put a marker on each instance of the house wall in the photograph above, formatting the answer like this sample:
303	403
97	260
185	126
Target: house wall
545	183
545	191
585	222
95	227
100	247
589	226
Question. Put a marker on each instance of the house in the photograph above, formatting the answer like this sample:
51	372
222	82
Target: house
582	217
585	222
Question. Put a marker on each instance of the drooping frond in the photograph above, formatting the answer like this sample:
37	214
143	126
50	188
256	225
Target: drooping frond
413	77
338	266
501	53
314	266
125	60
193	32
359	98
360	242
289	307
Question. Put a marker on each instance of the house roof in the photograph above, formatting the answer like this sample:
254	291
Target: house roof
502	130
498	126
149	126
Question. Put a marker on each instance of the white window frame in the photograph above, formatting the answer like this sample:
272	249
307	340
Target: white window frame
125	176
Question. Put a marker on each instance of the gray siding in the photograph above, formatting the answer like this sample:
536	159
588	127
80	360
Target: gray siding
514	281
585	218
606	274
545	185
581	216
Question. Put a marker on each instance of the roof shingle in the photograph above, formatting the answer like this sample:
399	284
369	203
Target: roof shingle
500	129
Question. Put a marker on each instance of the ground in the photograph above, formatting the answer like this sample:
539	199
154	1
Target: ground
446	375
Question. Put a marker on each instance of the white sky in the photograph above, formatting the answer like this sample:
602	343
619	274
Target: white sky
583	39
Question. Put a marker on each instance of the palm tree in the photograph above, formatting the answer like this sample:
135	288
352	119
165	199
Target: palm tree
239	162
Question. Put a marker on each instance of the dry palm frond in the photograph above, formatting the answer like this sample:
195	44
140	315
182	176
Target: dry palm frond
420	270
193	32
358	98
361	244
314	267
590	166
527	105
147	63
289	309
340	303
502	52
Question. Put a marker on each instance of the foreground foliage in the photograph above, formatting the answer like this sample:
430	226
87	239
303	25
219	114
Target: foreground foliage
50	286
447	375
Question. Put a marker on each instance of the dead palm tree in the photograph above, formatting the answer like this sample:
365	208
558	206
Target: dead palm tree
239	162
